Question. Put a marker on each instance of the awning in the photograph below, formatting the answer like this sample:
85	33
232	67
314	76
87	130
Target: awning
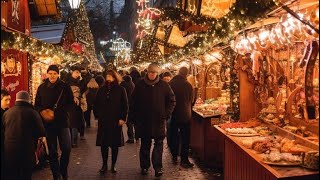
48	33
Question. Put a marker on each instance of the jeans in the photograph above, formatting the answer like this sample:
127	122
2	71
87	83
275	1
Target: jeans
156	153
87	116
63	135
130	131
74	136
175	139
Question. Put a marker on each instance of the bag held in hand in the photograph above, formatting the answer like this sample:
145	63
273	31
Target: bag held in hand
48	114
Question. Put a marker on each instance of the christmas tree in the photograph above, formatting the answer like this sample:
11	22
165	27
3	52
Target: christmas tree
77	31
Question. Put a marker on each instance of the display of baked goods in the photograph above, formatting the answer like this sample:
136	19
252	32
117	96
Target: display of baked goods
249	124
289	146
263	130
311	160
282	159
241	130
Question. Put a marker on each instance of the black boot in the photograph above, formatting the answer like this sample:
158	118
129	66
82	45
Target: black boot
104	153
115	151
113	168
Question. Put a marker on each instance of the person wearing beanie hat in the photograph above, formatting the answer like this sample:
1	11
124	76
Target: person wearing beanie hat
53	67
152	104
22	127
23	96
167	76
181	118
55	94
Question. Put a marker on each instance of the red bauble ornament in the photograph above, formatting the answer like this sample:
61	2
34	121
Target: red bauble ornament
76	47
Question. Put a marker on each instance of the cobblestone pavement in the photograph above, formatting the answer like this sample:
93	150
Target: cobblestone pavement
85	162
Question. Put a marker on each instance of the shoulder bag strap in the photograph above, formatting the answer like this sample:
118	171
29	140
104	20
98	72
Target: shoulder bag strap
56	104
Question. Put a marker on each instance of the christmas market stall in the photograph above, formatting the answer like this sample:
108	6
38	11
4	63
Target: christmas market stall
277	135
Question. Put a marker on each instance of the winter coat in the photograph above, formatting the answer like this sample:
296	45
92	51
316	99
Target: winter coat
48	94
76	114
2	139
151	107
136	76
91	92
128	86
184	98
22	128
111	105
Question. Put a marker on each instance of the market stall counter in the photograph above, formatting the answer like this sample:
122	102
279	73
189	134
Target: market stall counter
205	139
241	162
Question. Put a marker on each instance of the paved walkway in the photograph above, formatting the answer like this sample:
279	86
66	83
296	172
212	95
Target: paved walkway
85	162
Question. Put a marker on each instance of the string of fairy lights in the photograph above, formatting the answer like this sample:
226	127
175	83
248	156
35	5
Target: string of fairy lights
24	43
221	31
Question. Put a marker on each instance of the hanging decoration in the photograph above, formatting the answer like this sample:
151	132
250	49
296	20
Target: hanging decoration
216	8
284	33
146	18
77	47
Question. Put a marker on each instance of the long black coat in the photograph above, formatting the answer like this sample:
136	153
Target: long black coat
22	128
151	107
47	96
110	106
76	114
184	97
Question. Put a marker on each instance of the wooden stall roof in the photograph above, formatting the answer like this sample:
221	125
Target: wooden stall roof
43	8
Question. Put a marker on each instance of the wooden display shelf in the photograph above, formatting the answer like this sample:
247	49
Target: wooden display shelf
243	163
205	140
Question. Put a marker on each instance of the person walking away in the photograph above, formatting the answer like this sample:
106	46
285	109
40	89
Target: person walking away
22	128
90	93
85	78
152	103
129	86
181	117
111	110
56	94
76	113
5	104
167	76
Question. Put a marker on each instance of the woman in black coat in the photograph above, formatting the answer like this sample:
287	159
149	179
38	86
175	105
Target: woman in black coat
111	109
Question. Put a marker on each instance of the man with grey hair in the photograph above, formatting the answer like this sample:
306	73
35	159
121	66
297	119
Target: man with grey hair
181	117
152	103
22	127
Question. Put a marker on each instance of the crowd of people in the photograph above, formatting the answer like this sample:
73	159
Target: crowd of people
153	105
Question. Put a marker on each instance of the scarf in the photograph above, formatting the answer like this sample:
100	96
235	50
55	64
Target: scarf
149	82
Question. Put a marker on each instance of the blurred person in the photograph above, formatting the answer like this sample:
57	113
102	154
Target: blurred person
91	92
167	76
135	75
5	104
55	94
152	103
76	112
22	128
181	117
111	110
129	87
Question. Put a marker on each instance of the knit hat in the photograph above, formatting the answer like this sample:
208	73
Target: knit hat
23	96
183	71
154	67
53	67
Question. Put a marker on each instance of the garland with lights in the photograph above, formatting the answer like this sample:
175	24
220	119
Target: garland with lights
22	42
222	30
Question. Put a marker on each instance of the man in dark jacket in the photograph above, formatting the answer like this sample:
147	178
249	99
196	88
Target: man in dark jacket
47	96
129	87
22	128
181	117
5	104
152	103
